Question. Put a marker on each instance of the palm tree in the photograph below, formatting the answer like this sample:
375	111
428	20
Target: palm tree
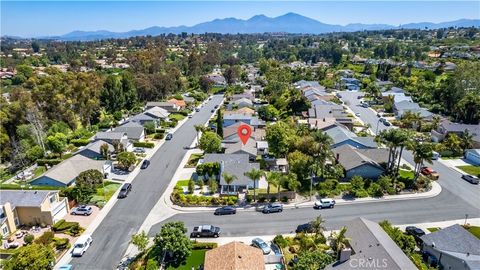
466	140
254	175
273	178
422	152
322	149
229	178
339	241
318	226
394	139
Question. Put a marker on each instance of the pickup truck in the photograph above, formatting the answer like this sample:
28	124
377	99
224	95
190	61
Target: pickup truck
429	172
205	231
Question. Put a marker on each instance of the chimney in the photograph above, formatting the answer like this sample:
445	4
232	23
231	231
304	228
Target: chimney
337	158
344	255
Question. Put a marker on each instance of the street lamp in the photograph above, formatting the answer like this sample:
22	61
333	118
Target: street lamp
466	217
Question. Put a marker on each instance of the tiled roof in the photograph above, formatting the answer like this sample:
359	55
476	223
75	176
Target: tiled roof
234	256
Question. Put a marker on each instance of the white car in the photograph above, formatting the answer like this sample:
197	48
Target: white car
81	245
324	203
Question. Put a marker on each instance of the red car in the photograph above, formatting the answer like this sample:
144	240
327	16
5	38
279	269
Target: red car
427	171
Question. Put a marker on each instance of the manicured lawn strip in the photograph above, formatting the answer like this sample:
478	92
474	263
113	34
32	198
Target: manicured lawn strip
27	187
196	258
433	229
182	183
177	116
475	230
470	169
193	160
110	188
38	171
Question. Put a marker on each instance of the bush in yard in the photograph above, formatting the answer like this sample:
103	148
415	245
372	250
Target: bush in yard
50	162
144	144
375	190
280	241
158	136
152	264
361	193
204	245
31	257
126	159
79	142
45	239
273	199
149	127
28	239
89	178
191	186
61	243
262	199
284	199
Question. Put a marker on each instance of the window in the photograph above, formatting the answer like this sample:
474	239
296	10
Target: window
5	230
53	198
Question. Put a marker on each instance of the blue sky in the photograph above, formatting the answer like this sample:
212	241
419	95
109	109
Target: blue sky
40	18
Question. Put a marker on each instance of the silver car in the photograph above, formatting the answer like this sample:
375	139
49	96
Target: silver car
259	243
83	210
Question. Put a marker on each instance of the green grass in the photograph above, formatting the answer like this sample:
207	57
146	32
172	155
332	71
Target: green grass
475	230
27	187
5	175
406	174
470	169
38	171
177	116
193	160
196	258
433	229
105	194
182	183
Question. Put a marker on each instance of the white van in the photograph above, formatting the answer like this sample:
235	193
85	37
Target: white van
324	203
81	245
435	155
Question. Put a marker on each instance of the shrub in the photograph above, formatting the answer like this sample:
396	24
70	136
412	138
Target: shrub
144	144
50	162
284	199
375	190
262	199
80	142
362	193
280	241
249	199
71	228
28	239
158	136
152	264
61	243
45	239
204	245
273	199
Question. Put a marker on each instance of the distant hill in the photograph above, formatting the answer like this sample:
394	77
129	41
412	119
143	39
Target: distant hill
288	23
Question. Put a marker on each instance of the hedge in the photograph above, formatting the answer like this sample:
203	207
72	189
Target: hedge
63	225
158	136
61	243
144	144
203	245
80	142
159	130
50	162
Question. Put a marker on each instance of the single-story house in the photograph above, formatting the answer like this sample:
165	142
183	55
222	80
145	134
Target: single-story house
239	148
253	121
473	156
453	248
135	132
30	207
244	110
64	173
188	99
169	106
398	95
366	163
234	256
243	103
370	248
446	127
111	137
237	165
217	79
143	118
322	123
92	150
244	95
181	104
342	135
157	113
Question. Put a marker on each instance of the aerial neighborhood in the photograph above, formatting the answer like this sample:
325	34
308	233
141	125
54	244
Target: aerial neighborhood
199	150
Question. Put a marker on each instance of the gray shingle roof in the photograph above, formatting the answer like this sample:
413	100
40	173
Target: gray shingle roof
157	112
454	239
109	135
371	243
350	157
340	134
239	147
406	105
95	146
24	198
134	131
235	164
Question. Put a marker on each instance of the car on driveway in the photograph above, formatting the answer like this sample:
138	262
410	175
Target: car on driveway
417	233
81	245
324	203
226	210
259	243
212	111
83	210
304	228
139	150
145	164
272	208
470	178
364	105
126	188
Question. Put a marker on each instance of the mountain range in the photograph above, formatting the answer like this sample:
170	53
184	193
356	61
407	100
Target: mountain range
288	23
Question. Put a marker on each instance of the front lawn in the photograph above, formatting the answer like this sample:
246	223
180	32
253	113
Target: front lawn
177	116
182	183
104	194
38	171
470	169
433	229
193	160
406	174
196	258
475	230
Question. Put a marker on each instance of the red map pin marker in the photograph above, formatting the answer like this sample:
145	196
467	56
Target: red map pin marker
244	132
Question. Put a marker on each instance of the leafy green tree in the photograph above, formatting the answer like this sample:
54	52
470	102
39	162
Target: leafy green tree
405	242
35	153
422	152
126	159
33	257
254	175
212	185
312	260
140	240
280	137
292	183
318	226
210	142
105	151
466	141
173	242
191	186
228	178
268	112
89	178
57	143
149	127
299	163
219	123
453	143
273	178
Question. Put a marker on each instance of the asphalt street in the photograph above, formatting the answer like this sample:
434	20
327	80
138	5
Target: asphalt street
111	238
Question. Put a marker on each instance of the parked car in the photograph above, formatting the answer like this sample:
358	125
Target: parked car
66	267
415	232
470	178
212	111
435	155
139	150
304	228
324	203
386	123
169	137
190	115
126	188
81	245
197	109
216	107
365	105
145	164
205	231
226	210
84	210
429	172
357	114
259	243
272	208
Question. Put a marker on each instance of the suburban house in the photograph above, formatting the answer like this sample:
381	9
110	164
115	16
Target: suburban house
180	103
92	150
30	207
262	147
305	84
342	135
403	106
64	173
188	99
253	121
245	95
234	256
112	137
244	110
398	95
237	165
157	113
243	103
446	127
453	248
473	156
217	79
135	131
239	148
350	84
277	164
169	106
153	115
366	163
370	248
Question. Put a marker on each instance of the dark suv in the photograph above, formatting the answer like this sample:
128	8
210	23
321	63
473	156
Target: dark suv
272	208
415	232
126	188
145	164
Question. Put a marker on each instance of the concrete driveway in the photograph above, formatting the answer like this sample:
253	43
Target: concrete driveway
84	221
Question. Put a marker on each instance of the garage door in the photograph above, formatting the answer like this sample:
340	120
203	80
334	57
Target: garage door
59	212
